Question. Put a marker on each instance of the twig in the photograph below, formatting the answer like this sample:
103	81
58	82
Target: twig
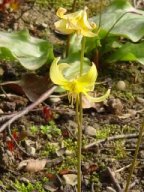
123	168
6	117
115	137
28	108
115	182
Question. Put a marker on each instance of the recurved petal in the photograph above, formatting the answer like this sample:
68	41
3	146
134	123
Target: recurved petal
84	21
98	99
87	33
88	79
60	12
56	74
62	26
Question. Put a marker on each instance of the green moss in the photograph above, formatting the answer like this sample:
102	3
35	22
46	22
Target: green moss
50	130
28	187
119	150
49	150
103	133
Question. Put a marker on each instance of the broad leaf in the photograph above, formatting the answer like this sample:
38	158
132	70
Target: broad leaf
75	44
74	61
31	52
123	20
128	52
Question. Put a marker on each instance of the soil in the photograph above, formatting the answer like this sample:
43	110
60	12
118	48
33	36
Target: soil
46	137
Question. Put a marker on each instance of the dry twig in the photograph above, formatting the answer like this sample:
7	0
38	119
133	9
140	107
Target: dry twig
115	182
28	108
112	138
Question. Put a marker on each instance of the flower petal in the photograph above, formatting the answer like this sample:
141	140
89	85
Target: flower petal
88	80
98	99
56	73
74	22
88	33
60	12
61	26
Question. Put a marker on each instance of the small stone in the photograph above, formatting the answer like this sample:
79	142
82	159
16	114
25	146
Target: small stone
89	130
142	154
44	25
31	151
121	85
24	180
70	179
55	99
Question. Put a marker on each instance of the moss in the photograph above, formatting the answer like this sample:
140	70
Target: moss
37	186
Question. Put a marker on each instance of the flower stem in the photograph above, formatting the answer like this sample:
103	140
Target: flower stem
79	116
74	5
79	123
135	157
82	55
68	45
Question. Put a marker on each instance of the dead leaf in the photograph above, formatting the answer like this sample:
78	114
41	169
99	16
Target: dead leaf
32	85
86	104
13	86
131	113
115	106
70	179
32	165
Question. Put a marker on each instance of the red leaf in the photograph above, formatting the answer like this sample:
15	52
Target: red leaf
47	113
10	145
15	135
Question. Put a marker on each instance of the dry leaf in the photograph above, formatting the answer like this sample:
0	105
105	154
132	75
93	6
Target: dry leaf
34	86
70	179
31	84
86	104
130	113
32	165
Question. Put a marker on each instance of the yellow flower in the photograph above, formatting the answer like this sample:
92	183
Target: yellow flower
74	23
81	84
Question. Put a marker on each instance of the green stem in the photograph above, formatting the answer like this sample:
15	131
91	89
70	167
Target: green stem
79	123
74	5
82	55
68	45
79	116
134	158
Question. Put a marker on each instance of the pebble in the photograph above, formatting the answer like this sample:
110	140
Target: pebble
31	151
89	130
121	85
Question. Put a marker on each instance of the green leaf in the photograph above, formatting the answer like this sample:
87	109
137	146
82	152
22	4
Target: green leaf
74	61
75	44
31	52
122	19
128	52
